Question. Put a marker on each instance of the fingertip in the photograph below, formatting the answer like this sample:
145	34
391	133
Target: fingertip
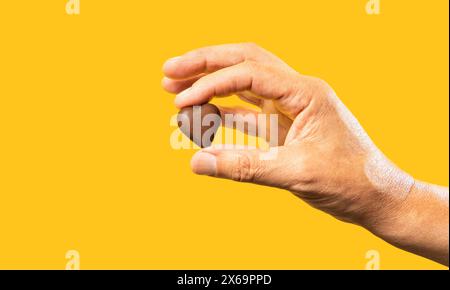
170	66
182	99
172	86
165	83
178	103
204	163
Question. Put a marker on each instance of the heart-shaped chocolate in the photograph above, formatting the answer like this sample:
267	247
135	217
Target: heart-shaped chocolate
200	123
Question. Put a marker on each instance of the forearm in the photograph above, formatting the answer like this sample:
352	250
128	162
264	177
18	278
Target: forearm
421	223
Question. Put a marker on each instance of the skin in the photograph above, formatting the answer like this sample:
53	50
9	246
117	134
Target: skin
324	155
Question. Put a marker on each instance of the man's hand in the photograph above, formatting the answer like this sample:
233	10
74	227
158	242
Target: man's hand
324	155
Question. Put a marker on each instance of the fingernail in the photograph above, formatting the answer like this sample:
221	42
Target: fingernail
173	59
182	97
170	62
204	164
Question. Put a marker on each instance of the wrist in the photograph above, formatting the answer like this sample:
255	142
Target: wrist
393	218
388	191
418	223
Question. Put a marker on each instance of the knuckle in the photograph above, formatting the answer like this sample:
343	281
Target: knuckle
321	86
199	52
244	171
252	50
252	65
251	46
321	83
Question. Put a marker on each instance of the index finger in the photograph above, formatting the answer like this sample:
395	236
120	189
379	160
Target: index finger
210	59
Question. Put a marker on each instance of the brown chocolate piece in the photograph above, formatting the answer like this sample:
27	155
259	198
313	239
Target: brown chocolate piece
200	123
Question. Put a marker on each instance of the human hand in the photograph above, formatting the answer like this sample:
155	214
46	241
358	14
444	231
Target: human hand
324	155
326	158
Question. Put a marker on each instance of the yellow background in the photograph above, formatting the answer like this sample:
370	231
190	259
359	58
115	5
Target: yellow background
85	160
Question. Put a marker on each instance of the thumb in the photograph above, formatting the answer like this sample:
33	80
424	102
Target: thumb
254	166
